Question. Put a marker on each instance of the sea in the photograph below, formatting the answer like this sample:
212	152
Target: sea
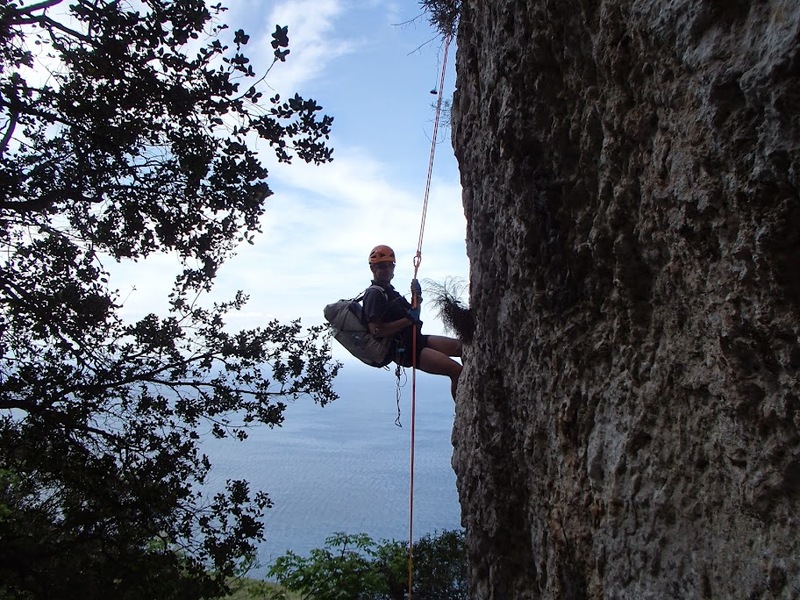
345	467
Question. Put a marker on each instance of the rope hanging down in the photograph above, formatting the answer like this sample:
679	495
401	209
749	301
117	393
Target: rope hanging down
415	304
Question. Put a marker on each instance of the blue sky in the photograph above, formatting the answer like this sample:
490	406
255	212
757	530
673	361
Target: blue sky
371	65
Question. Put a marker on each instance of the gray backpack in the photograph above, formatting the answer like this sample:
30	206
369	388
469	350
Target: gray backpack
351	330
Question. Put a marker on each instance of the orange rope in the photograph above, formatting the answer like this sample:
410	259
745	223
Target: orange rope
411	475
415	304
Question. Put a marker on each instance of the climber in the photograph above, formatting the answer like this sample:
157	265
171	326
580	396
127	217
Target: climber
390	315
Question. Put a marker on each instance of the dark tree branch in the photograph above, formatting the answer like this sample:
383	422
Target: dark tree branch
12	124
28	10
51	24
47	200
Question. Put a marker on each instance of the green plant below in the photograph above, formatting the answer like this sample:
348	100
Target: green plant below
254	589
355	567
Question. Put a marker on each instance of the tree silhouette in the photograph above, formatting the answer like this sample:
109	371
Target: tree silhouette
127	129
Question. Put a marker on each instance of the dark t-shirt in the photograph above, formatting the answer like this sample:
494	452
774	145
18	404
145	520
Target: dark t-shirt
391	307
384	308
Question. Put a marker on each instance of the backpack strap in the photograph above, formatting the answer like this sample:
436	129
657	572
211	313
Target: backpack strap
364	293
360	297
375	286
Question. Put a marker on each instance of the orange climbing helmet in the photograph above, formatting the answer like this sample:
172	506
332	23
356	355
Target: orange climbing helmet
381	254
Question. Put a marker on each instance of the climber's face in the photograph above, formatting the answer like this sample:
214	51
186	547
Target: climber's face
383	272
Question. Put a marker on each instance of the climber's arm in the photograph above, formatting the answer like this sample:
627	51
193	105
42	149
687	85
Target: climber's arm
384	330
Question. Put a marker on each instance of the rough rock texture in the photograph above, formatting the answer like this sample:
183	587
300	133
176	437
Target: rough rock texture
629	414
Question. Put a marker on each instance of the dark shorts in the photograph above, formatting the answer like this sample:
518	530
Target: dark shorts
402	347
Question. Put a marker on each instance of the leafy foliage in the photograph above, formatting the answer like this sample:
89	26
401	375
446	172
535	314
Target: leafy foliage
355	567
346	568
441	568
136	145
243	588
127	129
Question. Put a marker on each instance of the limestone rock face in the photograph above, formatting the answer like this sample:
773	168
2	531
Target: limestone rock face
628	421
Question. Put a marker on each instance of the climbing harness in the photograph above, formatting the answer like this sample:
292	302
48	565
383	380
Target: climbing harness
415	304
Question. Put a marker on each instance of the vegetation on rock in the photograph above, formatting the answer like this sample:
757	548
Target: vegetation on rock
443	14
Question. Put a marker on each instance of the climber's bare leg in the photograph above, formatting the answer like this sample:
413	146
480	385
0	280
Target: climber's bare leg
445	345
438	363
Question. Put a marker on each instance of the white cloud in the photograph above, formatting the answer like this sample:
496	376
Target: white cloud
313	42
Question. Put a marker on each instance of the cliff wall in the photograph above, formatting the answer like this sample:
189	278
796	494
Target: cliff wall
628	417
